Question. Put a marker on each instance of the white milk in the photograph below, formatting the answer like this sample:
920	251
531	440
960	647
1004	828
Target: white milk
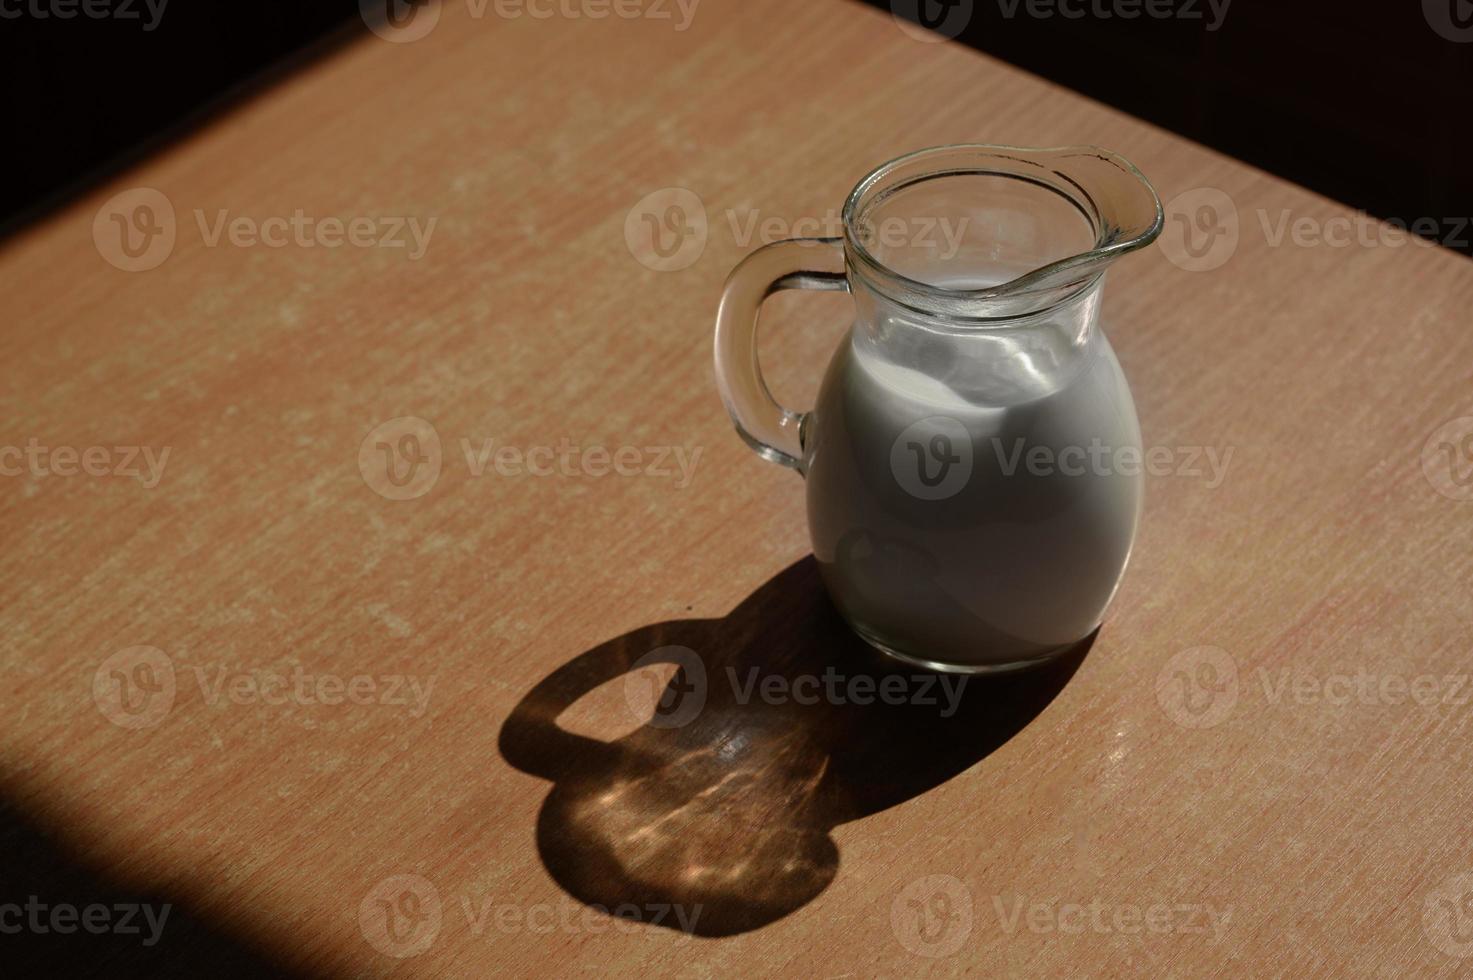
943	540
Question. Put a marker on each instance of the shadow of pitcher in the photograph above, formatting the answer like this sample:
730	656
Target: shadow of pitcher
778	724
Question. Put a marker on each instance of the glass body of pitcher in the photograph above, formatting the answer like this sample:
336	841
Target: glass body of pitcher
974	462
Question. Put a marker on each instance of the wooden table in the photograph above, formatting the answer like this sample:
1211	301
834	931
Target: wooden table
1261	767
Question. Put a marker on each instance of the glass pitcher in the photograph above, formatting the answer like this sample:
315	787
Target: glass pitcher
973	462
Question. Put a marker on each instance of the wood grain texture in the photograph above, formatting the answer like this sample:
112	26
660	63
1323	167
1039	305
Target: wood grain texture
1328	830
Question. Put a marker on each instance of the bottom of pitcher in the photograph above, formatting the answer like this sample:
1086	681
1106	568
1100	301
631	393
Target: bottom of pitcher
949	667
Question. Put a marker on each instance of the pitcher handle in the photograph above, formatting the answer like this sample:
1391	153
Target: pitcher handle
774	432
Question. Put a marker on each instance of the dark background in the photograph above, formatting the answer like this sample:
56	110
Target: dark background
1366	104
1362	102
84	97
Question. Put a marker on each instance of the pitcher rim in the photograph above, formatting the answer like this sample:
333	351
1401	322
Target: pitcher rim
1033	292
